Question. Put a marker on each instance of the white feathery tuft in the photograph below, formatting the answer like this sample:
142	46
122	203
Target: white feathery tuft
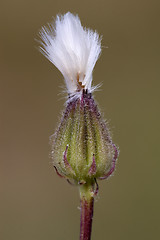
73	49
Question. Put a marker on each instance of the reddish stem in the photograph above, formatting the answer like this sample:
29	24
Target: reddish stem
86	217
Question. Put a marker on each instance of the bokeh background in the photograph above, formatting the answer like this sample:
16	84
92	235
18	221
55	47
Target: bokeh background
35	204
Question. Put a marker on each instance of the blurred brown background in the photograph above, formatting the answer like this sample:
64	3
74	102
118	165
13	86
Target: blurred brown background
35	204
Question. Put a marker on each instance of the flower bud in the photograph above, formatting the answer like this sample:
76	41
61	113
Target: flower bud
82	149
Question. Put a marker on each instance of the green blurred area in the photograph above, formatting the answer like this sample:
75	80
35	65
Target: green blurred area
35	204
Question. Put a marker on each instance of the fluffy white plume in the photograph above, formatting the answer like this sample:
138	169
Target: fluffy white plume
73	49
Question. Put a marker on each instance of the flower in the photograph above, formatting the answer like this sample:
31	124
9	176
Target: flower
73	49
82	148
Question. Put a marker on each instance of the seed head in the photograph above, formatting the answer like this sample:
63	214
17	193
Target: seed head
82	148
73	49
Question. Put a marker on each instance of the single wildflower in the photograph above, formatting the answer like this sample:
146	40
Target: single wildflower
82	148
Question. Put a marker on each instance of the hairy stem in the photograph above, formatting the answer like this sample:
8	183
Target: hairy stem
87	202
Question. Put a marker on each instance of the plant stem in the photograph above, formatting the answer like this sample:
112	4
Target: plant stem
86	204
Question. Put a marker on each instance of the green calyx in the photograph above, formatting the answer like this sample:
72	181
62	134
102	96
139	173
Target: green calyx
82	149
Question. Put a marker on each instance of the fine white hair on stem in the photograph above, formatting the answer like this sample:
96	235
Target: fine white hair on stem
73	49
